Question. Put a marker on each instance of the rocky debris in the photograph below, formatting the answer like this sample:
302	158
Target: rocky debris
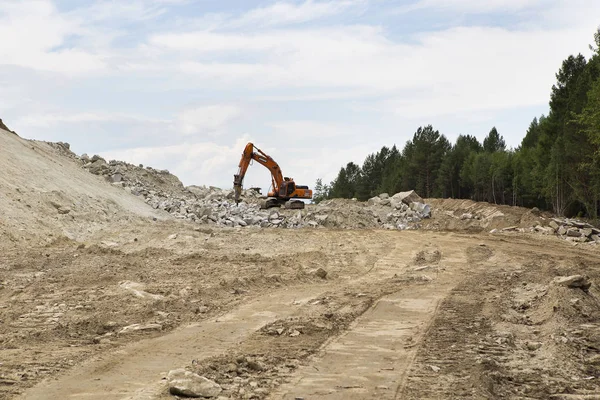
573	281
188	384
572	229
569	229
213	206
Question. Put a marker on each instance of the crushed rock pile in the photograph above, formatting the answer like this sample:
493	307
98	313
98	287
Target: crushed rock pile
210	205
572	230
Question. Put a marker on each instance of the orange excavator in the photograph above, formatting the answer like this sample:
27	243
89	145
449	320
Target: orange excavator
285	191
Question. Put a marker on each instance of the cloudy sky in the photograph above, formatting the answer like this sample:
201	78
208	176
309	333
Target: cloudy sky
184	84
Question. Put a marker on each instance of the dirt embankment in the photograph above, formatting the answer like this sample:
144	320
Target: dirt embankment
45	195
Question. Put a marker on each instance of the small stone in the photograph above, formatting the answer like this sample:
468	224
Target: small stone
173	236
186	383
321	273
294	333
231	367
532	346
573	281
434	368
573	232
202	310
256	366
64	210
554	225
140	327
587	232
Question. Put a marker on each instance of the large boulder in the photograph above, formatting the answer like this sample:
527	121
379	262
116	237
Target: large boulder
408	197
186	383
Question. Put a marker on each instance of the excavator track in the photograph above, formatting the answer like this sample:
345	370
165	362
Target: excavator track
294	205
272	202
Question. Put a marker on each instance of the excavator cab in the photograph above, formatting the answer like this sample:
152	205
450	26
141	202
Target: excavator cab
288	187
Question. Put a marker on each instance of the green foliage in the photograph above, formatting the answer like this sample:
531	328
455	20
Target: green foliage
557	165
321	191
494	142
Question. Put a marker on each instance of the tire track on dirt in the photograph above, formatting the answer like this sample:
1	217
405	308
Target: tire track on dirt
135	371
370	360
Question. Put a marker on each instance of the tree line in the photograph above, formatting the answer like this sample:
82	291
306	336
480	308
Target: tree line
556	167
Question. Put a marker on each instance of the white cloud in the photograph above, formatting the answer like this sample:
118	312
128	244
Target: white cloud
37	30
466	68
285	13
472	6
61	118
207	119
301	130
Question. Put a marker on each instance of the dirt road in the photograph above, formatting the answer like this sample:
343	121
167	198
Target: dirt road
400	315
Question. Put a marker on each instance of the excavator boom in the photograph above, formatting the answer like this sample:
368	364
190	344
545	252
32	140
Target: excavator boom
284	189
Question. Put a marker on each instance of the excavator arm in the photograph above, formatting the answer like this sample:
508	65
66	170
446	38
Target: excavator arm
250	153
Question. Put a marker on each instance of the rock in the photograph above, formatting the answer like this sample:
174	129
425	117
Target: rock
321	273
587	232
562	231
373	201
408	197
172	237
466	216
532	346
573	281
64	210
573	232
423	209
535	211
256	366
140	327
115	178
202	310
434	368
384	196
294	333
554	225
186	383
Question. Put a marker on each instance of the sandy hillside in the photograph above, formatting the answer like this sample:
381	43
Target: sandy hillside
45	195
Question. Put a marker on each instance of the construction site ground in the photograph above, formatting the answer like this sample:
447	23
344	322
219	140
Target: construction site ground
101	302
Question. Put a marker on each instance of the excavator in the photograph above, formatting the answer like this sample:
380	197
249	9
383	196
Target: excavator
285	191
